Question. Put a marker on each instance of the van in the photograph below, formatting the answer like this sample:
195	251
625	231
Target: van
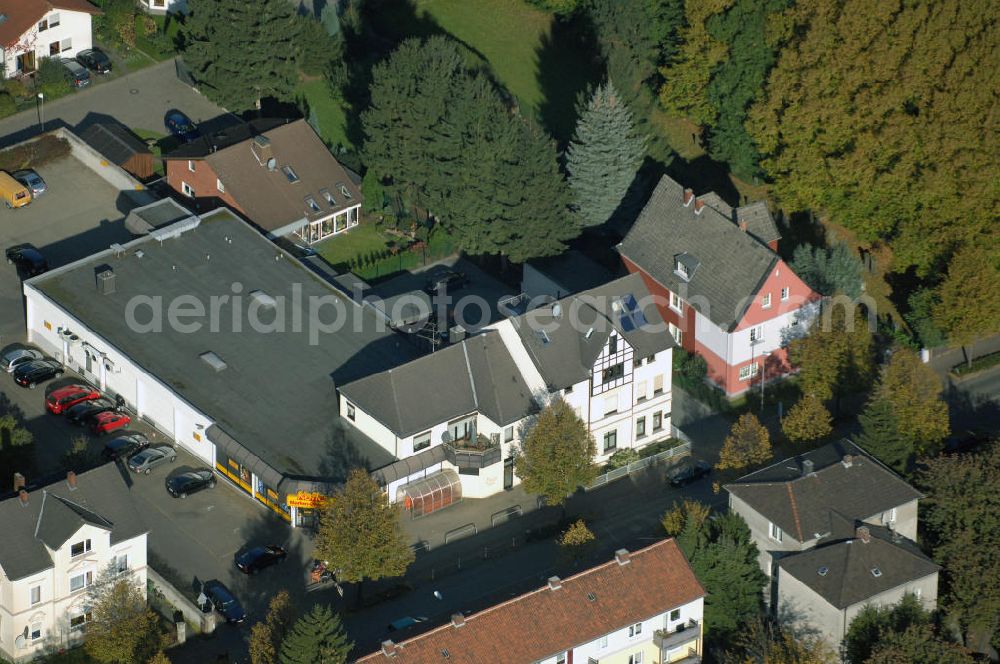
13	193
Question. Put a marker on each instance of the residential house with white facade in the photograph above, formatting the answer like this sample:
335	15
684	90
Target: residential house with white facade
835	530
724	291
34	29
644	607
58	540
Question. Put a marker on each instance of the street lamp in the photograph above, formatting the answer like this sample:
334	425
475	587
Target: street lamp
763	366
40	107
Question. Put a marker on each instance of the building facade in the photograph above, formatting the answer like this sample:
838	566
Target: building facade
37	29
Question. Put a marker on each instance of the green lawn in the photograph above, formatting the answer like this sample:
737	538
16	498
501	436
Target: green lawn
361	239
163	144
329	112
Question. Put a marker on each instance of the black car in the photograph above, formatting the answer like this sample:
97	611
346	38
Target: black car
28	259
260	557
689	472
95	60
225	602
76	73
180	125
81	413
123	447
445	280
37	371
183	485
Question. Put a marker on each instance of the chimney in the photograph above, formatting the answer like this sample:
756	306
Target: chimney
555	583
623	557
106	281
19	481
688	197
862	533
71	480
848	461
23	495
743	226
389	648
457	620
699	205
261	148
807	467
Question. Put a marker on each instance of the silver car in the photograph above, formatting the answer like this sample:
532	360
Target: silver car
13	356
32	180
151	457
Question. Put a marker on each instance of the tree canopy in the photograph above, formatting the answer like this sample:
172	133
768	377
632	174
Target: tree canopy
829	271
557	455
318	637
747	444
836	358
971	295
266	637
915	393
808	419
120	629
882	437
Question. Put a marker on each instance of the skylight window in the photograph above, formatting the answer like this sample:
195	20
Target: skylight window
344	191
312	204
290	174
823	571
876	572
328	197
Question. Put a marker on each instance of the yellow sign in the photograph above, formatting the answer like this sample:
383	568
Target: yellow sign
305	499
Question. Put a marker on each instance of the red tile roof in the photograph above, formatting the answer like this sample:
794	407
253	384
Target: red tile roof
545	622
22	14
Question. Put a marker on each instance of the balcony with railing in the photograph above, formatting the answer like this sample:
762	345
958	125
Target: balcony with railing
474	452
686	634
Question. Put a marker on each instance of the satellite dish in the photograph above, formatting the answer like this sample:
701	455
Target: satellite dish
272	164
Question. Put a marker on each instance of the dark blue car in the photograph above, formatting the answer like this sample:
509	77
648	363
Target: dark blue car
225	602
259	557
180	125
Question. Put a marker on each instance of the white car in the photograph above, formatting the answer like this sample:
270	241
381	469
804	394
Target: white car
12	357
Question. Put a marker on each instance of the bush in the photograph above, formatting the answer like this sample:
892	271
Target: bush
923	303
7	105
622	458
16	89
690	369
558	7
53	79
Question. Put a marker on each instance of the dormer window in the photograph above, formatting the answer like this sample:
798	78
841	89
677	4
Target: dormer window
682	270
290	174
312	204
685	266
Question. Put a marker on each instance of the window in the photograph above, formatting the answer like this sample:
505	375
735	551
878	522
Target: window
612	344
889	516
774	532
613	373
658	384
36	595
561	658
784	293
675	615
676	333
640	391
756	334
187	190
676	303
422	441
651	359
682	270
637	362
54	48
80	581
635	658
79	548
53	20
350	411
765	301
611	405
640	427
191	165
36	631
43	25
568	390
328	197
916	592
121	563
508	434
290	174
604	641
345	192
657	421
748	372
312	204
66	44
610	441
635	630
221	187
81	619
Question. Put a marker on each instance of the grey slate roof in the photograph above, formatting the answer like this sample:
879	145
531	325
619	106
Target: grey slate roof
849	563
759	221
277	396
734	264
54	514
573	271
113	141
476	375
803	505
566	353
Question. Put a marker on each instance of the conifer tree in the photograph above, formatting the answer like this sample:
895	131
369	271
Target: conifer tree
604	155
881	437
318	637
240	53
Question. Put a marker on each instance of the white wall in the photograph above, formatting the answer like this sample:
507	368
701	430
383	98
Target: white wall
72	25
743	351
711	335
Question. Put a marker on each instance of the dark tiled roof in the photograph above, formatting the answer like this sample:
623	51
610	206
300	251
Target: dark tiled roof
566	353
848	563
116	143
225	137
22	15
54	513
801	502
759	221
733	264
476	375
573	271
544	622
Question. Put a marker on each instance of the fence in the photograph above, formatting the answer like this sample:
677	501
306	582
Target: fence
624	471
203	622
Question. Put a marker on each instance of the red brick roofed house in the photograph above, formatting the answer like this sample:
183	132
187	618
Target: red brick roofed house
279	176
725	292
639	608
34	29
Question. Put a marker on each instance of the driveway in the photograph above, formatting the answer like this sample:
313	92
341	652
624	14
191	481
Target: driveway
138	100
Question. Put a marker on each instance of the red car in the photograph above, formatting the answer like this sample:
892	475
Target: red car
66	397
109	421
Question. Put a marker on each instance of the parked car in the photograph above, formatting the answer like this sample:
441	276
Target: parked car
404	622
183	485
78	75
225	602
32	373
64	398
151	457
16	354
689	472
13	193
95	60
32	180
124	446
445	280
82	413
180	125
260	557
28	259
109	421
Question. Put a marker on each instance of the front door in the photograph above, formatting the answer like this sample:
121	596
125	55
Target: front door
26	62
508	473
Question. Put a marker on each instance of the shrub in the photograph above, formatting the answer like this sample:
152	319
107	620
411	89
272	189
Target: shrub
53	80
15	88
7	105
622	458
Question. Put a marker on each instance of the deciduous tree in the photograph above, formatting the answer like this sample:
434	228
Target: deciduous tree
747	444
920	645
576	540
807	420
763	642
318	637
970	296
836	358
159	658
15	445
914	391
122	630
557	455
604	155
266	637
874	623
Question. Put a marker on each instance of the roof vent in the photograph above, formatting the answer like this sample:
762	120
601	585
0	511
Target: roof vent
19	481
213	360
743	226
23	495
389	649
876	572
262	299
106	281
823	571
261	141
623	557
543	337
863	534
848	461
592	597
556	309
71	480
807	467
555	583
445	653
457	620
